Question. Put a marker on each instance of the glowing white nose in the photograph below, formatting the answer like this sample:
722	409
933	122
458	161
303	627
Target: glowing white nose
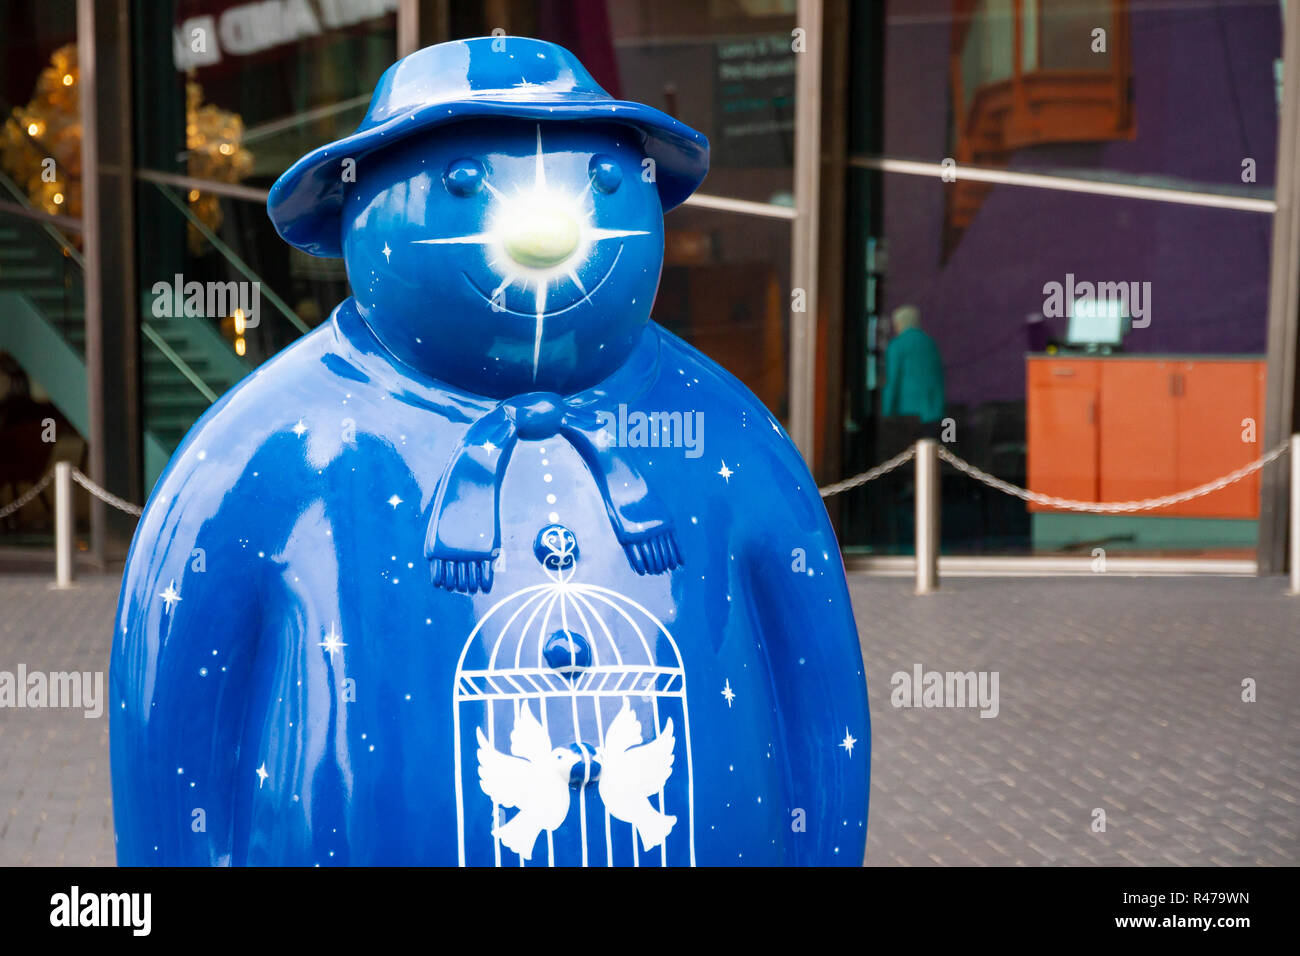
540	237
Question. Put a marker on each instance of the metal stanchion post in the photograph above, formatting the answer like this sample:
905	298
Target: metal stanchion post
63	525
1295	514
927	515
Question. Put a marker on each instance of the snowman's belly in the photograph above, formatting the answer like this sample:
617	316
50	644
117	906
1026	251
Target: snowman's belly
395	773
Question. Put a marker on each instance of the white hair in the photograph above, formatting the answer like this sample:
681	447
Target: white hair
906	317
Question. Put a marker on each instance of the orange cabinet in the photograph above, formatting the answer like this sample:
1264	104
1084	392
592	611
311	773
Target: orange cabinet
1139	431
1215	400
1117	429
1061	422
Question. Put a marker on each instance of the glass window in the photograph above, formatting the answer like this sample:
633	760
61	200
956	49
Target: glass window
987	50
1029	37
247	88
1087	346
726	68
1067	30
43	417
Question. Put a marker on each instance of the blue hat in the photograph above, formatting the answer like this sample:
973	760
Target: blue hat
485	76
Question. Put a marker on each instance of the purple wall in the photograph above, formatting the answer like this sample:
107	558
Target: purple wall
1204	99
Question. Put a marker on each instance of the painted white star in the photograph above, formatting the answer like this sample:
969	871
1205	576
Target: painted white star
726	472
848	741
262	775
333	641
299	428
728	693
171	596
388	253
394	501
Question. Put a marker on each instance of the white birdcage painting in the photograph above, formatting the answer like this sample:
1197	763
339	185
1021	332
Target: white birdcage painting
572	738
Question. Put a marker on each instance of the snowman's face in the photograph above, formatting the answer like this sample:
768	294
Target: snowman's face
507	256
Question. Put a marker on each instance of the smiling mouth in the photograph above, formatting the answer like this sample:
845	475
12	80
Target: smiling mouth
502	307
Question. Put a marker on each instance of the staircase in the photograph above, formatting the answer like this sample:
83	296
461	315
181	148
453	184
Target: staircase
186	364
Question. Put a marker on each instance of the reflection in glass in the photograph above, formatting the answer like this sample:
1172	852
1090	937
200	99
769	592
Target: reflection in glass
1080	334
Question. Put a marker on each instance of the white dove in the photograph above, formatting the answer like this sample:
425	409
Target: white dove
535	779
630	773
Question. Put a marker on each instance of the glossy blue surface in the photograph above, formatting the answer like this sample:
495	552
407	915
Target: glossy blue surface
491	78
432	587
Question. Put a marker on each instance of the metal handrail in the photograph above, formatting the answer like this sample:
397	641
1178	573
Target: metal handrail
233	258
23	208
181	365
217	188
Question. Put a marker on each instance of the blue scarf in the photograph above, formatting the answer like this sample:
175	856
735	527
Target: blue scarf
464	536
465	531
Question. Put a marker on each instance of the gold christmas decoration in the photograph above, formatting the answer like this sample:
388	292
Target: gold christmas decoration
40	146
212	137
40	143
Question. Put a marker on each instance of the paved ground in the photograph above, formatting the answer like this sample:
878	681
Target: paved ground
54	789
1115	694
1119	694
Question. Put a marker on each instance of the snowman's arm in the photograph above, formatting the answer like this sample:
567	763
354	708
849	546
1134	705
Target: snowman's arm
811	642
179	676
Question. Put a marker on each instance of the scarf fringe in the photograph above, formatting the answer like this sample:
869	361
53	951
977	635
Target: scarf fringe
467	576
655	554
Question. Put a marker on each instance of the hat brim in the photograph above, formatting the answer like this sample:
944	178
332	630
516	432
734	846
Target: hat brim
306	202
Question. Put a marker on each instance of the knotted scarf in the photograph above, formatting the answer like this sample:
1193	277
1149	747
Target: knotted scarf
464	535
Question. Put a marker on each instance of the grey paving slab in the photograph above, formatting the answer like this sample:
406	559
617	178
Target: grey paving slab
1118	694
55	806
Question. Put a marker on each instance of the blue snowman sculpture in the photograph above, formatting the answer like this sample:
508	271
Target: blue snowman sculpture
489	569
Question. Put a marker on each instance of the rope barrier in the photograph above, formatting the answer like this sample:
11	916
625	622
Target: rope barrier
1064	504
121	504
107	497
871	474
1113	507
927	453
22	500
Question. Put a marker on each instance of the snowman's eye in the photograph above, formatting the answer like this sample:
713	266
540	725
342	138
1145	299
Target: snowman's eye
605	173
464	177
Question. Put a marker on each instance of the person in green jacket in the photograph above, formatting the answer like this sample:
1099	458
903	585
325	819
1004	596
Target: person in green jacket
913	370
